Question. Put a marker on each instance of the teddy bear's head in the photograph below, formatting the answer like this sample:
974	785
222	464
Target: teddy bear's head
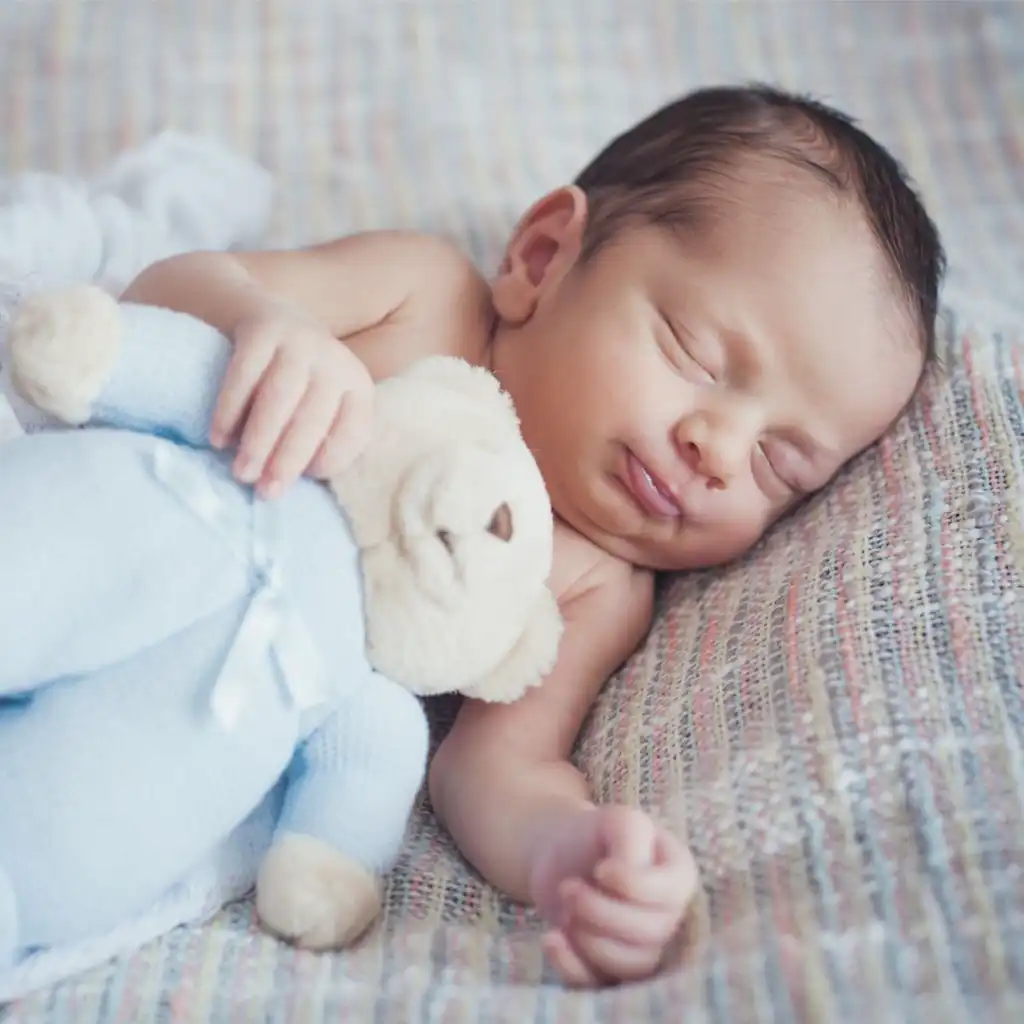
455	531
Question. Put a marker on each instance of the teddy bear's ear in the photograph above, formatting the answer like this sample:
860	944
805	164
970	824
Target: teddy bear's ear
456	374
531	658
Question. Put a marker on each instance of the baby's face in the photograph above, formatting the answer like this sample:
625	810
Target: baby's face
680	395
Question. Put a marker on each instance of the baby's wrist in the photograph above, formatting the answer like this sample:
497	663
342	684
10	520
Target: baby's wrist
560	850
254	303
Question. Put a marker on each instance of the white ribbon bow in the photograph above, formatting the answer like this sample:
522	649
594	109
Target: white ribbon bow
271	632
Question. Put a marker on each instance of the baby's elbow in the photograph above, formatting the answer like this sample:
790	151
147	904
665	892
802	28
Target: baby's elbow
458	773
173	281
150	283
439	772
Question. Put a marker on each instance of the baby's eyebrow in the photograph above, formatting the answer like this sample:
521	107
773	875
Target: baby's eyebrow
743	361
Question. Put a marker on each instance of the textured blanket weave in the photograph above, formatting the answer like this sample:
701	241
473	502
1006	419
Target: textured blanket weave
836	723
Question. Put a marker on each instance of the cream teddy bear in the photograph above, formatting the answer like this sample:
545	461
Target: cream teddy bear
178	654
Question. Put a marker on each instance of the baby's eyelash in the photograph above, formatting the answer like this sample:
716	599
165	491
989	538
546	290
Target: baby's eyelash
772	465
696	362
680	335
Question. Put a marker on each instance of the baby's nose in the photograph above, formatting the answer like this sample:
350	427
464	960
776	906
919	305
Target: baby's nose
704	461
718	455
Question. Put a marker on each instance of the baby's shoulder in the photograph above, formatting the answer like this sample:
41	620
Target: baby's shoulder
429	267
584	574
445	307
435	264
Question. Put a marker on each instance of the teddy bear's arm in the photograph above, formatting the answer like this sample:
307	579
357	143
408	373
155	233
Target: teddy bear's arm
167	375
80	356
353	782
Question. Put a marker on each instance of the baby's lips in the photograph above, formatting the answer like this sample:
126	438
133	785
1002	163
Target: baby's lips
649	492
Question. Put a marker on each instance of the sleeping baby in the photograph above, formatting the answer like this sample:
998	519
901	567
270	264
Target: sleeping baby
732	300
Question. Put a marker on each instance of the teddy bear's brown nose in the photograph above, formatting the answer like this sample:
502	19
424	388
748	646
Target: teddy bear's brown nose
501	522
500	526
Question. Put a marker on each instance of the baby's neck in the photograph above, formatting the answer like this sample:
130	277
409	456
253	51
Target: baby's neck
488	357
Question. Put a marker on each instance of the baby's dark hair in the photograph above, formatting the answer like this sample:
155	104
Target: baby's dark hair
664	169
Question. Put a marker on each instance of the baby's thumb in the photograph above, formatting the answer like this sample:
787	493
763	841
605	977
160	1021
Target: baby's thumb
630	836
348	436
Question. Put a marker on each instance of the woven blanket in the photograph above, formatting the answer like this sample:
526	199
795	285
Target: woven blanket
835	723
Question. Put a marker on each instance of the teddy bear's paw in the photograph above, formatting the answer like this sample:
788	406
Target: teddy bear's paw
63	345
313	896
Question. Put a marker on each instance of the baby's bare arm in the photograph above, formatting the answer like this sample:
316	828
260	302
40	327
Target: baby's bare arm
391	296
312	329
502	780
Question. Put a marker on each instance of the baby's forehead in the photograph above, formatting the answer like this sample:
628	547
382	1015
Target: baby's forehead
794	219
787	231
806	236
770	195
800	276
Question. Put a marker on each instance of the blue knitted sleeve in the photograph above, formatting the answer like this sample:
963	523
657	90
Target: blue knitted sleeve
167	376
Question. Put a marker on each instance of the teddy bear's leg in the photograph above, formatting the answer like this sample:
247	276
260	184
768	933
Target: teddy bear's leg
115	787
8	921
351	789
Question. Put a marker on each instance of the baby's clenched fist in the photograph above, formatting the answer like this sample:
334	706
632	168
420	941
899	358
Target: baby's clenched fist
615	887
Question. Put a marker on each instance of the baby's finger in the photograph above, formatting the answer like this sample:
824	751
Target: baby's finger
299	442
569	964
629	835
243	375
619	961
668	884
668	849
596	912
274	404
347	436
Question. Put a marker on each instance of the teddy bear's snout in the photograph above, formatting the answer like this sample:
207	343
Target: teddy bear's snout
501	522
500	525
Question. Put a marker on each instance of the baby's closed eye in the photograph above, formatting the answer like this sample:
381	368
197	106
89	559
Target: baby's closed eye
696	358
786	464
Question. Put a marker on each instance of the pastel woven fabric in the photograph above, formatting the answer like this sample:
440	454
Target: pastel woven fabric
835	724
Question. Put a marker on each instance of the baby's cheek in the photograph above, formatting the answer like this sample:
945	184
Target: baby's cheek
728	539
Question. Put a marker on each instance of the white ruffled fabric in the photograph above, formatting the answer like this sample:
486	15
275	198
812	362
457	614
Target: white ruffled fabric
175	193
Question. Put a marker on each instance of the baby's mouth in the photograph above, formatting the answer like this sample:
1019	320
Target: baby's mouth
652	495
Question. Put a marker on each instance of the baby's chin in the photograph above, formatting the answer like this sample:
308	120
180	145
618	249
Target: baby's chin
684	553
690	550
685	559
676	547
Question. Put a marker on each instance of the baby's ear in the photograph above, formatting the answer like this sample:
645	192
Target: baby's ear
531	658
544	246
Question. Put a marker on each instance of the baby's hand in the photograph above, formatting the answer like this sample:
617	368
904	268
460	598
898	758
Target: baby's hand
296	399
615	887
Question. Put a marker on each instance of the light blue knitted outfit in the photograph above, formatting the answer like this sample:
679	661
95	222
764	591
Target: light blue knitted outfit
140	589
